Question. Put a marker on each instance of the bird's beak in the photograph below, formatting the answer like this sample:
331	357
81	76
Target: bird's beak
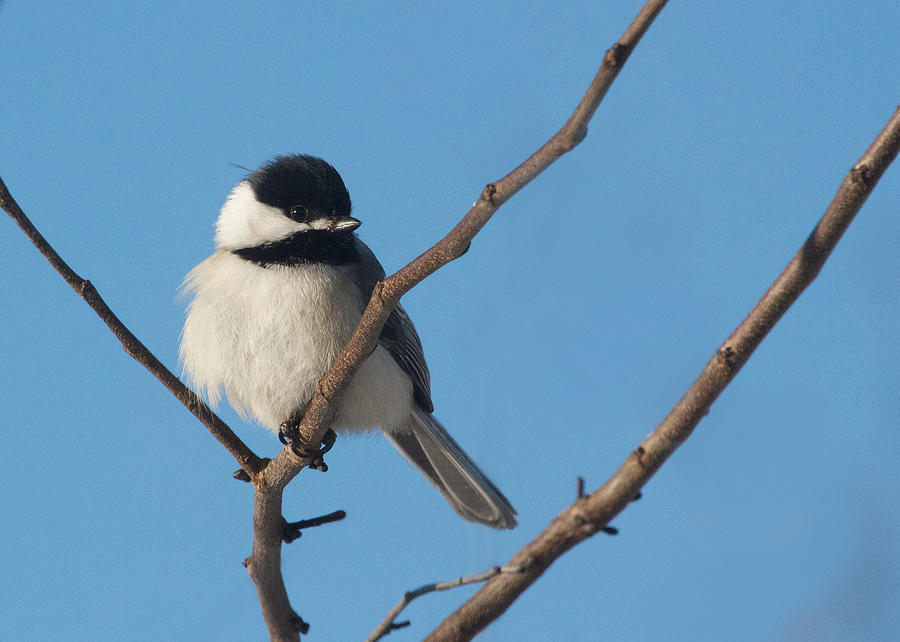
347	224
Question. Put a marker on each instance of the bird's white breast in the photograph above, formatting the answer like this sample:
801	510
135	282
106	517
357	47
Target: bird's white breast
267	335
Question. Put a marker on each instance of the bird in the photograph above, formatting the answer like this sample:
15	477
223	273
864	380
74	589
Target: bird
279	298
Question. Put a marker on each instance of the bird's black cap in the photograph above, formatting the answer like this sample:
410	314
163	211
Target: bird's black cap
299	185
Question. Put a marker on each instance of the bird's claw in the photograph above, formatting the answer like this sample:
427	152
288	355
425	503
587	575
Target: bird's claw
288	435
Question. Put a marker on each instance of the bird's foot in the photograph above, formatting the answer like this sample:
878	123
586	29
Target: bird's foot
289	435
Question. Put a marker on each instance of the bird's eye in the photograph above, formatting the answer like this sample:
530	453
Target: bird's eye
298	213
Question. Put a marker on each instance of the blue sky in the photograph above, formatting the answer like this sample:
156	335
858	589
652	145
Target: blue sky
580	315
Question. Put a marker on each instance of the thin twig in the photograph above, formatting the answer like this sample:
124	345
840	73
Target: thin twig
265	564
293	530
245	457
586	516
389	623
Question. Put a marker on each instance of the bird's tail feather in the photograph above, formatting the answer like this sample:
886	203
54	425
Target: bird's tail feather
430	448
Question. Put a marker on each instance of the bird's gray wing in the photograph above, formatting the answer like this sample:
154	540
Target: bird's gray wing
400	338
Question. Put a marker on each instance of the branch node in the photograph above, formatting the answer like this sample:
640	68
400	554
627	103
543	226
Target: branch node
862	173
616	55
488	193
588	528
577	136
524	561
299	625
241	475
610	530
727	356
579	485
639	453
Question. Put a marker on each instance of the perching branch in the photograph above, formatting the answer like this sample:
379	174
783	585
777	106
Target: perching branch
245	457
323	405
265	563
588	515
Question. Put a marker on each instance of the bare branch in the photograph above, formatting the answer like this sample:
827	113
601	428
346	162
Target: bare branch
245	457
388	623
387	294
589	515
265	564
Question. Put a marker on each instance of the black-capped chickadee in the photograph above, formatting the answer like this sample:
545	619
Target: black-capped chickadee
279	298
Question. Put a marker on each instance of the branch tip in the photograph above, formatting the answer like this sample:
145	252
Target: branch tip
579	485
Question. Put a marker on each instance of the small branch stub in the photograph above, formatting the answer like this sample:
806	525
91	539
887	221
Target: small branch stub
487	194
617	55
293	530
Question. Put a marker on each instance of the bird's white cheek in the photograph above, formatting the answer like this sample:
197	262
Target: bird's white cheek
245	222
